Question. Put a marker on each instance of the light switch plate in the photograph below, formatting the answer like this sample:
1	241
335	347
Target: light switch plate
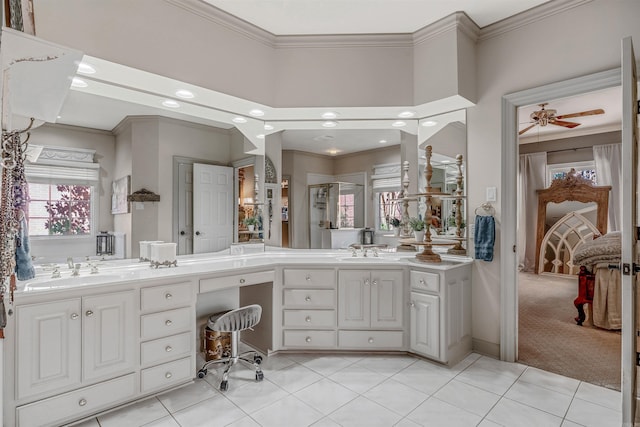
492	194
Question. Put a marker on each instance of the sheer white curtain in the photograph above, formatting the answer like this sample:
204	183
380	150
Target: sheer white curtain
531	177
608	160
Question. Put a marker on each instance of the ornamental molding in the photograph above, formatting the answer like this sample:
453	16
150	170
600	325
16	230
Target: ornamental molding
50	155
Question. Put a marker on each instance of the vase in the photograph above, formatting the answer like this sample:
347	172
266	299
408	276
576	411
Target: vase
251	228
419	235
396	232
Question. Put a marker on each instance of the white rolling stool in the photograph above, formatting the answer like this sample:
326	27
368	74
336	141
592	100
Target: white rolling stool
235	321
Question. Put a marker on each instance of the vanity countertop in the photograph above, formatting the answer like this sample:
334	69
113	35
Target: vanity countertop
221	263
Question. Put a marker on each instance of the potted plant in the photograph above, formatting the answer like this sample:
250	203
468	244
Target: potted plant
395	223
251	222
417	225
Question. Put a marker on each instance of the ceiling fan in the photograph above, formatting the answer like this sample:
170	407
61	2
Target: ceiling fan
544	117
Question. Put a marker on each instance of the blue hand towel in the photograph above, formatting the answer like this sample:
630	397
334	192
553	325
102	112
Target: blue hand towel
484	237
24	267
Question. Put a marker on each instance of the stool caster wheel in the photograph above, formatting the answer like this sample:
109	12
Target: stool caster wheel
202	373
224	386
257	359
259	376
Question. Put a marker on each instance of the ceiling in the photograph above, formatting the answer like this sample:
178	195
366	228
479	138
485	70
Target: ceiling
98	109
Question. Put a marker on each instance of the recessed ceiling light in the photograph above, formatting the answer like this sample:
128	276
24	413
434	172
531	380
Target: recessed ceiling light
261	136
332	151
76	82
329	115
239	120
383	141
170	103
398	124
429	123
268	127
330	124
183	93
85	68
406	114
256	113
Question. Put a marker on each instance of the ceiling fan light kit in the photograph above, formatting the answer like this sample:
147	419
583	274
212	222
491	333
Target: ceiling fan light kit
543	117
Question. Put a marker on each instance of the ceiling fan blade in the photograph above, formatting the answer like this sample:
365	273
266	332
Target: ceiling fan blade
569	125
526	129
581	114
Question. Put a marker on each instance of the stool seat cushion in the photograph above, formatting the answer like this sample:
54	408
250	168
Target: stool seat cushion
236	320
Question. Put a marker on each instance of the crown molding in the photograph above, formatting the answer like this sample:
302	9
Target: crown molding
527	17
344	41
73	128
453	22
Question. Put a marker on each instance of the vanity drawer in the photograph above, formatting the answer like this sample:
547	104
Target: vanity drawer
159	298
309	318
370	339
309	298
164	349
423	281
73	405
310	339
169	322
319	278
233	280
166	375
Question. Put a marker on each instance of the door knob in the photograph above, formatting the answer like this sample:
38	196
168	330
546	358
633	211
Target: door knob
182	233
197	233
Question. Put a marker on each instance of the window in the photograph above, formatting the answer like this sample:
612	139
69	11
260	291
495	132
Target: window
386	186
558	171
59	209
347	210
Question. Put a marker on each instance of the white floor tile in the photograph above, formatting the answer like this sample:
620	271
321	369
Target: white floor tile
244	422
567	423
216	411
540	398
513	414
288	411
425	380
294	377
550	381
593	415
275	362
436	413
93	422
188	395
602	396
489	380
253	396
498	366
398	397
364	412
327	365
163	422
406	422
326	422
465	363
138	414
357	378
387	366
326	396
467	397
489	423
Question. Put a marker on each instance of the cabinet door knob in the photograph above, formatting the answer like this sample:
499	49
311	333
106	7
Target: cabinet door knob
74	316
422	281
182	233
168	349
366	282
375	283
168	323
308	278
89	313
307	319
168	296
197	233
307	298
412	304
308	339
82	402
370	340
241	280
168	375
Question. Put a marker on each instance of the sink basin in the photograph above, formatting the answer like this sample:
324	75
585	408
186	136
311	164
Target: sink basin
70	282
368	259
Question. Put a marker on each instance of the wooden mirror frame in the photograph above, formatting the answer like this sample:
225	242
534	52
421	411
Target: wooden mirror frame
573	188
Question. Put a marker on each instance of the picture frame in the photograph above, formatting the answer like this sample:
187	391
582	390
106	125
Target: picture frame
120	189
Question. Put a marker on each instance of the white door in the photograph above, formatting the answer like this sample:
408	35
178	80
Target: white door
354	299
108	341
386	299
185	209
425	324
630	260
212	208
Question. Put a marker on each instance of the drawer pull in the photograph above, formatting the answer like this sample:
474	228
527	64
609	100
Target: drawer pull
307	298
74	316
89	313
241	280
422	282
308	339
307	319
168	375
82	402
375	283
168	296
308	278
168	349
370	340
411	304
168	323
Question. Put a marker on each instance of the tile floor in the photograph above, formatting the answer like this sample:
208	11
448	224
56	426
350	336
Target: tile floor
370	391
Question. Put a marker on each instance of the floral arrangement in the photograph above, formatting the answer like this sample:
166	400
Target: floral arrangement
416	224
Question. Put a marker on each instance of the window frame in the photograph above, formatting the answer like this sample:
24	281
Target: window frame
566	167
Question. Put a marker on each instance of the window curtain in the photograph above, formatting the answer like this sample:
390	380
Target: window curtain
608	160
531	177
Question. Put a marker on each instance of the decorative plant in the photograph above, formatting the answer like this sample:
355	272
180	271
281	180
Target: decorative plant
416	224
395	222
251	220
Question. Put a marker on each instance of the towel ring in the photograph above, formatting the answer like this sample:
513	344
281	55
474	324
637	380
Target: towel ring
487	209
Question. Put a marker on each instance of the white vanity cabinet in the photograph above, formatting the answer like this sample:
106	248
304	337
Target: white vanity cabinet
440	304
73	343
370	307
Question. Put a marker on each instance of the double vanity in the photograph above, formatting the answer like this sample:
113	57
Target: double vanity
80	345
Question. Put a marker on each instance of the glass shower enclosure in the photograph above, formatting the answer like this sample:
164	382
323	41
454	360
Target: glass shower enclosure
335	206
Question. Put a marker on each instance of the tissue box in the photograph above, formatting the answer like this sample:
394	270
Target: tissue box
163	254
145	254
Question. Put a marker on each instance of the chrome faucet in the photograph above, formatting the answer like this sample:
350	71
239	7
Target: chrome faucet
70	262
76	270
354	252
364	252
56	272
375	252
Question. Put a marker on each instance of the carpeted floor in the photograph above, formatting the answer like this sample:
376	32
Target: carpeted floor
549	339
